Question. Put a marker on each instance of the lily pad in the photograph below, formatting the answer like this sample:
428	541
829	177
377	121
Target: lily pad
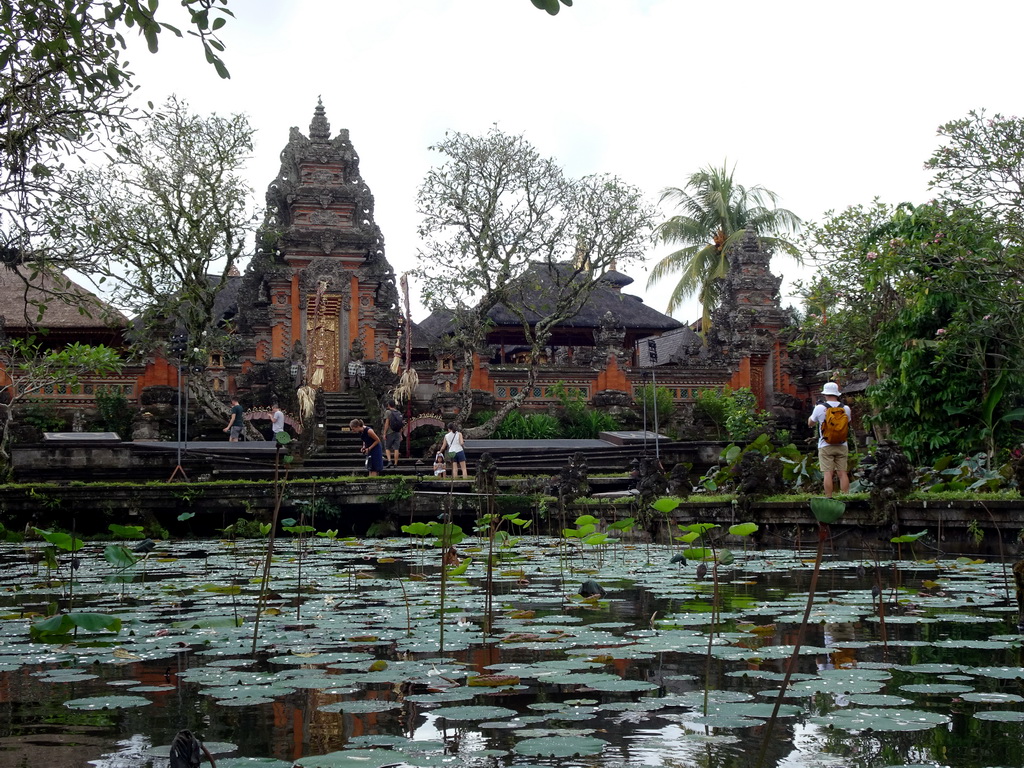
351	758
560	746
856	720
107	702
1001	715
474	713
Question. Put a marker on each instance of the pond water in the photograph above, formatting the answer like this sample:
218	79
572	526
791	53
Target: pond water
350	671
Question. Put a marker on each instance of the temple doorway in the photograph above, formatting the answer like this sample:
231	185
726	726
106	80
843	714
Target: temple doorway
323	340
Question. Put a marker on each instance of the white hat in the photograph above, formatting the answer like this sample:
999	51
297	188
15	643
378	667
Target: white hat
831	388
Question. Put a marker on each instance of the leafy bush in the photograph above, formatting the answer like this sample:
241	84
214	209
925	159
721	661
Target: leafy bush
115	413
534	426
476	418
662	398
963	473
589	424
579	421
714	406
44	417
795	469
745	421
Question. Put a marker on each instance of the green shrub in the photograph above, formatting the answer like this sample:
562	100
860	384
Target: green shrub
579	421
43	416
534	426
745	421
476	418
661	398
714	406
589	424
115	413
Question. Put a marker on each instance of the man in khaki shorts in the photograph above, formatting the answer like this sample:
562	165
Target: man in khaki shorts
833	449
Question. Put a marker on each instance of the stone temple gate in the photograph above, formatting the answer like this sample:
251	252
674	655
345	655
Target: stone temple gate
319	290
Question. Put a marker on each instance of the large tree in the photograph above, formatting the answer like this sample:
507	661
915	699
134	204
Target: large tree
927	300
65	88
853	289
981	163
160	227
504	225
715	212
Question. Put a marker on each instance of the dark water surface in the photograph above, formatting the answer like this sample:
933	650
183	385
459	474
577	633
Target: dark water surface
349	659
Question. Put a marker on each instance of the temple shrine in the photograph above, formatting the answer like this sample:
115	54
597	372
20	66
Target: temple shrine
319	293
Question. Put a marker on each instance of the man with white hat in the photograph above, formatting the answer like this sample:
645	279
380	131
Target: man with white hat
833	421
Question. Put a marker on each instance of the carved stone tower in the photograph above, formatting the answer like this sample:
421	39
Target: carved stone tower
746	325
320	283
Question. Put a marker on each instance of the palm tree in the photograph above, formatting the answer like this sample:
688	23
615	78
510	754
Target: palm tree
715	212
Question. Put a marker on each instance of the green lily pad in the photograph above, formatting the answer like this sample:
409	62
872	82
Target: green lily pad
108	702
948	688
560	746
879	700
1001	715
351	758
474	713
993	698
361	706
856	720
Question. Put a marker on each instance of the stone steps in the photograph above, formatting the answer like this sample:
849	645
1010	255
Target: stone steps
341	451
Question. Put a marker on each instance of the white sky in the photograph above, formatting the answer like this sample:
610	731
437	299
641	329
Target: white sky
828	104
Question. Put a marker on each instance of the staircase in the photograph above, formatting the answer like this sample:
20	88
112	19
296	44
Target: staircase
341	453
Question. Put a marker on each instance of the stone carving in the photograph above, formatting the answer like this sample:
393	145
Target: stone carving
610	340
323	218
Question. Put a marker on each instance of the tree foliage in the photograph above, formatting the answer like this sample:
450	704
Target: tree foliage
27	367
504	225
715	212
927	300
552	6
161	226
64	88
950	362
981	163
854	288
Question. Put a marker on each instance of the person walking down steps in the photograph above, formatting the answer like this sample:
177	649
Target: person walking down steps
393	423
371	447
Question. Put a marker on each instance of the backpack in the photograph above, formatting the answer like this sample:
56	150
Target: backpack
835	429
396	421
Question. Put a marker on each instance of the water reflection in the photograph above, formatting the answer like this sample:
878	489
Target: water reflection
349	658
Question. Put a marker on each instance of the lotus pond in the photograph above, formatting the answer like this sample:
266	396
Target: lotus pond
904	662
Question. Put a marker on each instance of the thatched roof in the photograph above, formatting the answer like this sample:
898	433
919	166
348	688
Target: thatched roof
673	347
64	305
536	290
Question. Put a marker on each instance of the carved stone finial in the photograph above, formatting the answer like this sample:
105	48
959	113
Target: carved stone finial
319	129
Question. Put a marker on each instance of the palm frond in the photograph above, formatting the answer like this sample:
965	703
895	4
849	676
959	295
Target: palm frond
713	214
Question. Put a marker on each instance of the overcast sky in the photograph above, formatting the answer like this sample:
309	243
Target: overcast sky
826	103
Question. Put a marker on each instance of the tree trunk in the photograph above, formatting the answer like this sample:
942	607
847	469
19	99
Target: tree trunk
6	417
486	429
202	394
